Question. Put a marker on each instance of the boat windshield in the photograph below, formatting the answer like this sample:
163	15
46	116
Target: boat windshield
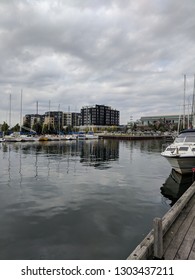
185	137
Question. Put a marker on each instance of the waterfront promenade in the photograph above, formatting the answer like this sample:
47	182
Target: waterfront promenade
173	236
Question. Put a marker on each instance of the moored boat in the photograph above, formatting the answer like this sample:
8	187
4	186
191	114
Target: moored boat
29	138
181	153
13	137
91	135
71	137
43	138
81	136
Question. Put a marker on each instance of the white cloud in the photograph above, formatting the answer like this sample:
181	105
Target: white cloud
130	55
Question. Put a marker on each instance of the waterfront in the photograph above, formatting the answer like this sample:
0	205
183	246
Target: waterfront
79	200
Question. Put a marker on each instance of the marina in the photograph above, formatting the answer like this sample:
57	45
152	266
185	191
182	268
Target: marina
82	136
18	137
97	136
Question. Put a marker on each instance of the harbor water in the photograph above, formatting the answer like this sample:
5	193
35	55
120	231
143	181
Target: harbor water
82	199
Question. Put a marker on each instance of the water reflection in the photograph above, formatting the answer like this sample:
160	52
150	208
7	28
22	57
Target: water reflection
149	146
97	154
89	153
175	185
78	200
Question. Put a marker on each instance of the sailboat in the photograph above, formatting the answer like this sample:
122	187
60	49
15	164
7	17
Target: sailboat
181	153
15	136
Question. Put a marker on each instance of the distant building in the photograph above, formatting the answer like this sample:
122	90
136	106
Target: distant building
30	119
72	119
173	119
99	115
168	121
54	119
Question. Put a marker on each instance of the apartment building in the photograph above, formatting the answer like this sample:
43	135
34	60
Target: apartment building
72	119
99	115
54	119
30	119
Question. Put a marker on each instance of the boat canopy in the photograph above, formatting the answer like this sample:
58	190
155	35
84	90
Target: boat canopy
187	135
188	131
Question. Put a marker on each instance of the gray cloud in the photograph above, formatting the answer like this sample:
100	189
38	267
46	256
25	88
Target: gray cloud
130	55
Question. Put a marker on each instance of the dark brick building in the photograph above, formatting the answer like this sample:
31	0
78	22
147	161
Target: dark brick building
99	115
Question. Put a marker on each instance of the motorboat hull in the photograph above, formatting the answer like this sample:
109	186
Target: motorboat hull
182	165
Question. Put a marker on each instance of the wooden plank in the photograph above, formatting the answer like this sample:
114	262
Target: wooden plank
175	210
186	247
192	253
169	236
177	240
179	237
174	245
144	249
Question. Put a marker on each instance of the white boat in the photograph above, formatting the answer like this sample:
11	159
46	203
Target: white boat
52	137
71	137
91	135
29	138
13	137
181	153
81	136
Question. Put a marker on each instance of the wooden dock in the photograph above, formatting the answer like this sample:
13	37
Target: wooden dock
173	236
133	137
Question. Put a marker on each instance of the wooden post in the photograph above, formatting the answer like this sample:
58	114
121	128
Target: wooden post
158	238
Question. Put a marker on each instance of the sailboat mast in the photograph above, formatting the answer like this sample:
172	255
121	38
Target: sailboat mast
21	111
184	105
59	119
49	115
10	108
37	107
193	106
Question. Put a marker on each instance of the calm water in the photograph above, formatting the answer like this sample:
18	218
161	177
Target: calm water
86	200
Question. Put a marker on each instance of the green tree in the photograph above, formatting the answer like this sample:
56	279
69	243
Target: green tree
45	129
16	128
48	129
5	127
134	128
37	127
68	129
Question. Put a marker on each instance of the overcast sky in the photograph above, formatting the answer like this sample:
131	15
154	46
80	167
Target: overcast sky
130	55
